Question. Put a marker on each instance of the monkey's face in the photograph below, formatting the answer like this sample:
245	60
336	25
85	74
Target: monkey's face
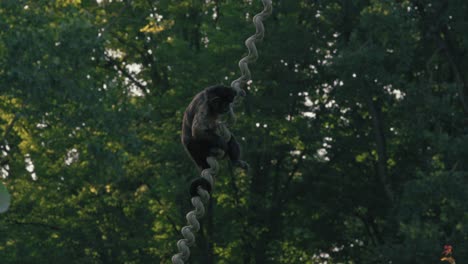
220	98
221	105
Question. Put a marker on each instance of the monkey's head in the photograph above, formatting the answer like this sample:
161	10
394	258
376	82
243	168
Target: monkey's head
220	98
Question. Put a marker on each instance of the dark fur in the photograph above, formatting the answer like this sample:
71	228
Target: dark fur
199	126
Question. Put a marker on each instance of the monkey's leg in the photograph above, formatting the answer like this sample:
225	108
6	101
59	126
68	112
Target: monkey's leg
234	153
233	149
199	152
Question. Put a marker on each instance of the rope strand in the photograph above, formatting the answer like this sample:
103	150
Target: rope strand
241	82
192	217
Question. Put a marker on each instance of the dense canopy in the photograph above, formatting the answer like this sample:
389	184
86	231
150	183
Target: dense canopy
355	126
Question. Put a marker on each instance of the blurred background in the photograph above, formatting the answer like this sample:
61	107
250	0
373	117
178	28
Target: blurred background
355	126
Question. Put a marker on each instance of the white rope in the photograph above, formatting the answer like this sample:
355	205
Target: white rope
192	217
241	82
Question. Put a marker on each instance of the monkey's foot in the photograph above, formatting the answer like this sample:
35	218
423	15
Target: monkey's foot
241	164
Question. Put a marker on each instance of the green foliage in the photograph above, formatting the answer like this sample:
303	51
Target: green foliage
355	127
4	199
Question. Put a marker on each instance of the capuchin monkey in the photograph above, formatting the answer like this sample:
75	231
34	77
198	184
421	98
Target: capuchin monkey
202	120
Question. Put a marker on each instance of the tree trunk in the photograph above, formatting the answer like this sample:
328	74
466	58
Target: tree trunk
381	148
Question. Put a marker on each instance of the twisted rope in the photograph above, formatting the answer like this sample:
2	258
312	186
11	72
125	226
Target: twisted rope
203	196
241	82
192	217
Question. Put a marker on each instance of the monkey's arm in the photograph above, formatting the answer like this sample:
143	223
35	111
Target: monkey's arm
234	153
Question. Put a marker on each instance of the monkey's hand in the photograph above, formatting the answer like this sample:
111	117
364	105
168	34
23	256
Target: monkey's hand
241	164
217	152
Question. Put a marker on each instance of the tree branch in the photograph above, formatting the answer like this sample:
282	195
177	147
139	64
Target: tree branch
126	74
450	54
36	224
10	126
381	148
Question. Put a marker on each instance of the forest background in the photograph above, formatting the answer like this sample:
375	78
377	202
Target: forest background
355	127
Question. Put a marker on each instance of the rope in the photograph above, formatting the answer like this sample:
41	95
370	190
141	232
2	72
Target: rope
193	216
240	82
208	174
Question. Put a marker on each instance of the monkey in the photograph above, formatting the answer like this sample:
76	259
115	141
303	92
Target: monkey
200	126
